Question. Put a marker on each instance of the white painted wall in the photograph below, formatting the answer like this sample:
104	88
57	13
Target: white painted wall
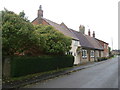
74	46
77	60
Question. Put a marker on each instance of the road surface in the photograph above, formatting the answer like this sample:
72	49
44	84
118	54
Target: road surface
104	75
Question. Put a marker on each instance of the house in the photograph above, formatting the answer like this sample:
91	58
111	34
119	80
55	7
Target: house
84	47
105	47
89	48
115	52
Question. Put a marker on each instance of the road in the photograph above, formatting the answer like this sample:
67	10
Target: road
104	75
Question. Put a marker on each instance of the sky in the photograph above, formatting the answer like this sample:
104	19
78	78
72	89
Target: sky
100	16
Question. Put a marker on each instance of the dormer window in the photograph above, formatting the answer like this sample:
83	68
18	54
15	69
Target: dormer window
75	43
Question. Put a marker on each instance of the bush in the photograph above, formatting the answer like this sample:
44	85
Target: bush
111	56
51	41
102	58
21	66
17	34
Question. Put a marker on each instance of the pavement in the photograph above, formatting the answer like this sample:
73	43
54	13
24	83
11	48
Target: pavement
19	84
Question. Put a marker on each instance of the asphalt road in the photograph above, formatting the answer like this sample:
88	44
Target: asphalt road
104	75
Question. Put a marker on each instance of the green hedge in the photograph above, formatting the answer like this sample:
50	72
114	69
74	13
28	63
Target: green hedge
21	66
102	58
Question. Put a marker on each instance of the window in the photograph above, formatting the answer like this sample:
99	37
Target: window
84	53
75	43
107	47
69	53
92	53
104	45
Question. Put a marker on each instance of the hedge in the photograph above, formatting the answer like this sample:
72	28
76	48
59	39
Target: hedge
102	58
21	66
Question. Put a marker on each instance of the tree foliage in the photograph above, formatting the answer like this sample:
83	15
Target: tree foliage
16	33
22	14
51	40
20	36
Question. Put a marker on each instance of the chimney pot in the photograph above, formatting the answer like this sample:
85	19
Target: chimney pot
89	32
40	14
40	11
93	33
82	29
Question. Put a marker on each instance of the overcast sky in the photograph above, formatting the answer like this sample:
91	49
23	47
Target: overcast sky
100	16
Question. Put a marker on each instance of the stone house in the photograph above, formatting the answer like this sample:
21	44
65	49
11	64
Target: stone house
84	47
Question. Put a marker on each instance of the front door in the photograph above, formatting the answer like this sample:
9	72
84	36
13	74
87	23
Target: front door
88	55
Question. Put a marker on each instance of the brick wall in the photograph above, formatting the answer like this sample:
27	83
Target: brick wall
36	22
106	49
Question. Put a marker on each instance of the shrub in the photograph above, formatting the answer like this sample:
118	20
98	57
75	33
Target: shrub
51	41
111	56
17	34
21	66
102	58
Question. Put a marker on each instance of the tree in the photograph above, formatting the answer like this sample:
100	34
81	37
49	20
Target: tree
17	33
22	14
20	36
51	40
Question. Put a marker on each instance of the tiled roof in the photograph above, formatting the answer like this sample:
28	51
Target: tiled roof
87	41
101	41
84	40
62	29
94	42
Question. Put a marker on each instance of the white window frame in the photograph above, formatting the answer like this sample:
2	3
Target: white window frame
84	53
104	45
92	53
69	53
75	43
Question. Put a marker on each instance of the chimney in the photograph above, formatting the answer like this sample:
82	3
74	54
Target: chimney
94	34
40	14
40	11
89	32
82	29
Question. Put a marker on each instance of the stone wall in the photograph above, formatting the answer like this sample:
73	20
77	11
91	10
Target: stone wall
6	67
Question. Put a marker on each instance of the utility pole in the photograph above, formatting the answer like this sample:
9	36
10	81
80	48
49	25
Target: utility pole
112	42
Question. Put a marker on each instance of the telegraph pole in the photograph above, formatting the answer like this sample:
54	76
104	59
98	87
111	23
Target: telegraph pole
112	42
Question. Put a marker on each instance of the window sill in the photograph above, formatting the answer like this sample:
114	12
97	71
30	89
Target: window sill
84	57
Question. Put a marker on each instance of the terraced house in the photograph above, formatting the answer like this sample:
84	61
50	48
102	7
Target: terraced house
84	47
